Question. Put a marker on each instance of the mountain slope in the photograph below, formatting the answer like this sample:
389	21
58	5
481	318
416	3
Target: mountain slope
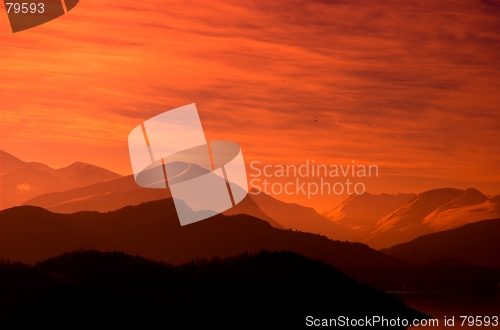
119	290
299	217
363	211
249	206
115	194
476	244
9	162
152	230
101	197
34	179
429	212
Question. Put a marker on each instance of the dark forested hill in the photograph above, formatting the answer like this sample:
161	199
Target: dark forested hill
152	229
475	244
95	289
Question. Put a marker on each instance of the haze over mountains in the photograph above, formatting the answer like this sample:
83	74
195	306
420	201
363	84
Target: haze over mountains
430	212
9	162
362	211
20	181
474	244
118	193
152	229
380	221
112	194
102	197
298	217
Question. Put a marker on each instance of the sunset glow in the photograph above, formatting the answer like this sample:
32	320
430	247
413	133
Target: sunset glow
413	87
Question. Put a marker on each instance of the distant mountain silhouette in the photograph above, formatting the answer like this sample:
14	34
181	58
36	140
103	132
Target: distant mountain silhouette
31	234
9	162
249	206
429	212
118	193
298	217
279	290
102	197
365	218
152	229
475	244
113	194
27	180
363	211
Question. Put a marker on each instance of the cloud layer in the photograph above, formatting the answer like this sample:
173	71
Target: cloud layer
413	86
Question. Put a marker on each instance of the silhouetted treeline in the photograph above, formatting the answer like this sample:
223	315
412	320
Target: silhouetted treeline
91	288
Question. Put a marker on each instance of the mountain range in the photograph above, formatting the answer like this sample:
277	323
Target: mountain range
429	212
31	234
21	181
115	194
301	218
101	197
363	211
380	221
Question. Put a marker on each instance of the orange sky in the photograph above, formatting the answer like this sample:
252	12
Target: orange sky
412	86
